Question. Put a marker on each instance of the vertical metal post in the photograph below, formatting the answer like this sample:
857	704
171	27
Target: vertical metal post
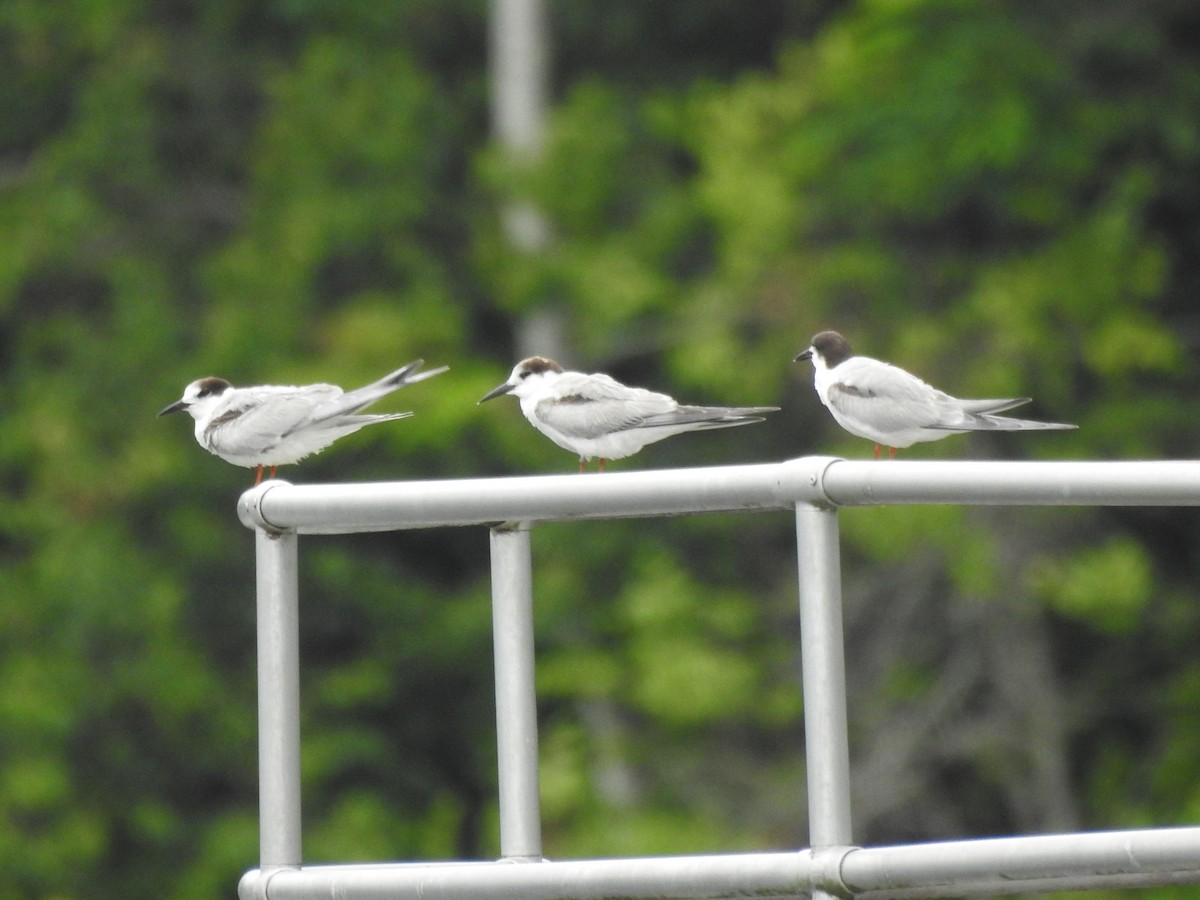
516	702
278	700
824	671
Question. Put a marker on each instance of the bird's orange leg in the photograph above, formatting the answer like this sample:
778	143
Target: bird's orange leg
891	454
877	451
582	465
603	463
258	476
275	469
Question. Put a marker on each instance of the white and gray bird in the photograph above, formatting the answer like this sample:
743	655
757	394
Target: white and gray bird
597	416
274	425
885	404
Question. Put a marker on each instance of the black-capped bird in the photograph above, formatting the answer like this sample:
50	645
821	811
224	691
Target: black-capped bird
597	416
885	404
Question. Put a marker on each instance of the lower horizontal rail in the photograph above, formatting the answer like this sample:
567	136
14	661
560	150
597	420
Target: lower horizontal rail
990	867
708	877
1032	864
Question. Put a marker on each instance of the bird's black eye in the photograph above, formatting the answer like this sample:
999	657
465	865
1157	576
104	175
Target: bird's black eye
524	375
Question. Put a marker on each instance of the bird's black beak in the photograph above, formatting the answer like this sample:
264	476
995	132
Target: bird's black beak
804	354
174	407
497	391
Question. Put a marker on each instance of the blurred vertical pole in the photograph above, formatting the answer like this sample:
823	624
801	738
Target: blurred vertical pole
520	86
519	78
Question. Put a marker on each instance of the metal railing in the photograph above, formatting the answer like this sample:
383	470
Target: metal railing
812	487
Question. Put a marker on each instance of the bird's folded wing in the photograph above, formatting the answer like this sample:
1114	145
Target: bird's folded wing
887	398
583	417
258	422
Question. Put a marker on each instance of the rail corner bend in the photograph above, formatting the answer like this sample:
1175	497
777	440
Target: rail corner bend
250	507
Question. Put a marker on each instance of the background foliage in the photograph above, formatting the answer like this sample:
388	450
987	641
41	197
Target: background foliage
1001	196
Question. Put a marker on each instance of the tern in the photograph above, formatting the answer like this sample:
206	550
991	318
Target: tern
274	425
597	416
885	404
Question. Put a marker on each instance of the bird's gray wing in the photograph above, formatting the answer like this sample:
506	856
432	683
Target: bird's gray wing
258	419
591	406
886	398
582	417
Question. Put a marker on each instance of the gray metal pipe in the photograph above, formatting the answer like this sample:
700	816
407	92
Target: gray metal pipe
386	506
340	508
826	745
695	877
1056	862
278	700
516	700
979	868
988	482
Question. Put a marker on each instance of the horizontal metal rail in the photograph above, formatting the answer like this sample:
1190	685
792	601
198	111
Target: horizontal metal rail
387	506
990	867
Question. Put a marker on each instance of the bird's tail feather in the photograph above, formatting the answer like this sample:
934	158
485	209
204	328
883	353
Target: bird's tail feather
1004	423
409	375
370	418
364	396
